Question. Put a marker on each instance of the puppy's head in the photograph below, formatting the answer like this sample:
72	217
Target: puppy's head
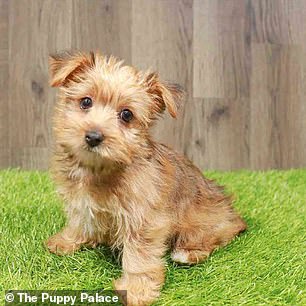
105	109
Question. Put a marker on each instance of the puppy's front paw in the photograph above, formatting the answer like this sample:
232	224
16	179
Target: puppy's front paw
60	245
141	290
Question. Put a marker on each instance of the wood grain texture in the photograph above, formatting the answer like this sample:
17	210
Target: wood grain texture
277	107
104	26
278	125
162	40
278	21
36	29
221	49
241	62
217	140
221	84
4	73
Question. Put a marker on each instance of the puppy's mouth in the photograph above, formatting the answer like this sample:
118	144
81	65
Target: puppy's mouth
90	156
94	150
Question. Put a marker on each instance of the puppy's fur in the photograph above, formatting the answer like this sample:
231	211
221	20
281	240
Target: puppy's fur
130	192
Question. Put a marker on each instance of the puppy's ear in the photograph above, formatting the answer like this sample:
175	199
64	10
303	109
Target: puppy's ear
166	95
63	66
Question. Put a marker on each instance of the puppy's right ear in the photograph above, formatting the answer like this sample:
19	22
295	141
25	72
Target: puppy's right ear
165	95
63	66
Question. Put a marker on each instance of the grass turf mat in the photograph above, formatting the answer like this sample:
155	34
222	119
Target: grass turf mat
265	265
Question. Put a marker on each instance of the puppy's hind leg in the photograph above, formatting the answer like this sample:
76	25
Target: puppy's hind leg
203	229
188	256
188	247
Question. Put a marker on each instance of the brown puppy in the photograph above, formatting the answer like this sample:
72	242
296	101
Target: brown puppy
120	187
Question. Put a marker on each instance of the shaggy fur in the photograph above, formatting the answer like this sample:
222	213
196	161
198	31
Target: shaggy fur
130	192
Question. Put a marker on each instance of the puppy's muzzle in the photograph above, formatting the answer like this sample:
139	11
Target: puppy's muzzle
93	138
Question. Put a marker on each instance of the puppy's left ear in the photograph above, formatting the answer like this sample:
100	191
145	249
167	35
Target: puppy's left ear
166	95
64	65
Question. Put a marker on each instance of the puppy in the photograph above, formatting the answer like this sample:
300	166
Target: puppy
121	188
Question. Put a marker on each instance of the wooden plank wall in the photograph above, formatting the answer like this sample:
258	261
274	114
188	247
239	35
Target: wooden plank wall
241	62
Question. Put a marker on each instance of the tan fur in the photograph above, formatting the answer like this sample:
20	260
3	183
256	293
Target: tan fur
130	192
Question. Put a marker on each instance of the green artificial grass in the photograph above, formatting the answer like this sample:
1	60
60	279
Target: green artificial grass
265	265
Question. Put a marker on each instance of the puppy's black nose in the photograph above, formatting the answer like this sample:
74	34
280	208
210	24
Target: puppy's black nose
93	138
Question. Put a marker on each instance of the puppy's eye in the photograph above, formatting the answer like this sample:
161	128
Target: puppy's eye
85	103
126	115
